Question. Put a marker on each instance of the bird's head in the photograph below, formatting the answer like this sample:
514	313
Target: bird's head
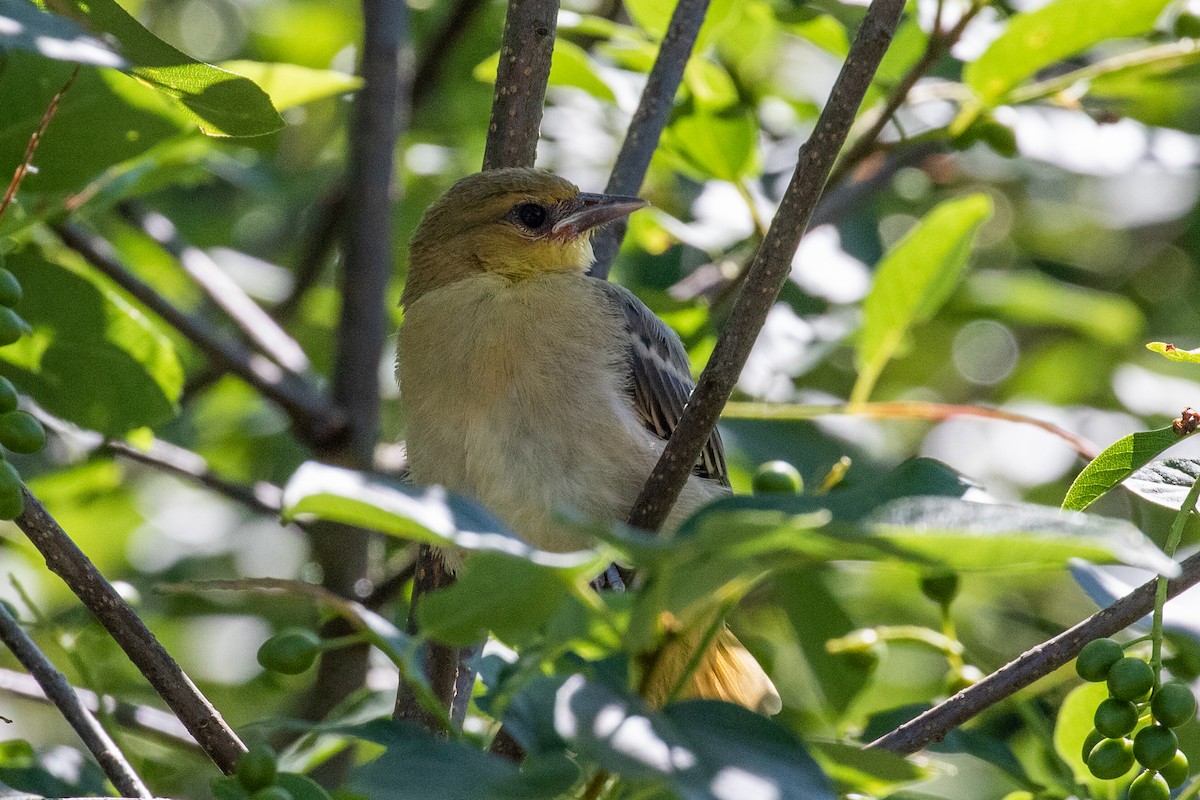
517	223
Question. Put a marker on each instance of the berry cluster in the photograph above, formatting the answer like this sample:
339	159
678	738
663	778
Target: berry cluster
1134	700
19	431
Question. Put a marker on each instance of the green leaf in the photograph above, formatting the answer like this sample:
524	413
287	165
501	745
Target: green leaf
1040	38
653	16
430	515
713	145
1072	727
92	358
697	748
913	281
222	103
23	26
873	772
1116	463
1165	483
290	85
1173	353
569	66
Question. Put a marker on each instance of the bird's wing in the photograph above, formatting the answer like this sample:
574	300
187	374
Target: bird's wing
660	376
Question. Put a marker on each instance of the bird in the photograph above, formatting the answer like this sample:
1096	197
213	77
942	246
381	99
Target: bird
534	388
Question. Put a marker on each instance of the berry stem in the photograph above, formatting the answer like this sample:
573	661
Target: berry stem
1160	594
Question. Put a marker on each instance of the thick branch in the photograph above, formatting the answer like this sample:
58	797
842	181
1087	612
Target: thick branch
521	83
649	121
769	270
251	319
935	723
59	690
143	720
315	419
67	561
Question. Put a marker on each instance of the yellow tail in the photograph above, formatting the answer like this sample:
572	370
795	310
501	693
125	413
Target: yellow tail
726	671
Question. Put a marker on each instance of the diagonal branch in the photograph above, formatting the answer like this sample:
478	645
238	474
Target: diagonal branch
60	692
769	270
251	319
316	421
649	121
1048	656
65	559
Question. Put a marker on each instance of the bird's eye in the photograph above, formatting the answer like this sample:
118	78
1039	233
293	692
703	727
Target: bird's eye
531	215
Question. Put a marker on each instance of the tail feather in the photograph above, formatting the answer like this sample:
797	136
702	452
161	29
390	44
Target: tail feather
726	672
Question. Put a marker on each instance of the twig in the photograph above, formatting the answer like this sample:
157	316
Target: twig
256	324
59	690
193	709
27	160
1043	659
646	127
139	719
939	43
769	270
316	421
521	80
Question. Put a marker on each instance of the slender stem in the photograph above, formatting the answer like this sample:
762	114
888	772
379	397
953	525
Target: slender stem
1160	592
1032	665
65	559
60	692
769	270
649	121
1180	52
34	140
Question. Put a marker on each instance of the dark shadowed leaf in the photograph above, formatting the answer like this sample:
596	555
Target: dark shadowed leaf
23	26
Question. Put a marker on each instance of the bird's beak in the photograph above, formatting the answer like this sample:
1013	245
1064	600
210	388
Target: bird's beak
589	211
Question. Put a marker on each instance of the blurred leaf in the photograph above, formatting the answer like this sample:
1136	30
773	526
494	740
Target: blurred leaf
1039	38
223	104
711	85
92	358
569	66
699	748
1174	353
1154	86
23	26
430	515
1032	298
105	119
1165	483
913	280
653	16
301	787
860	770
1116	463
291	85
713	145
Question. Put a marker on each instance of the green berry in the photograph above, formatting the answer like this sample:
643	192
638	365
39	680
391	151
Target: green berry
12	327
10	288
8	396
1094	738
1110	759
1176	773
1130	679
777	477
12	499
1149	786
1155	746
1096	657
940	587
21	433
1116	718
256	768
290	652
1173	705
272	793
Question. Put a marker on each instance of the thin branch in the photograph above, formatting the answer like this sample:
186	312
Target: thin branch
770	268
316	421
60	692
649	121
143	720
521	81
428	71
251	319
65	559
938	45
34	140
1043	659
